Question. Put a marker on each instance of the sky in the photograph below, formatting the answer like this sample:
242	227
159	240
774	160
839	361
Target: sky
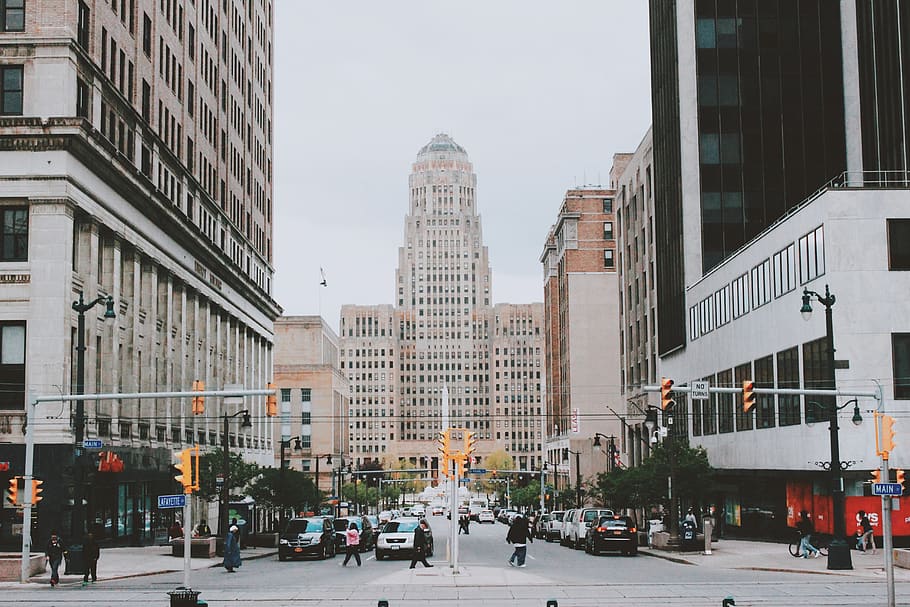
541	94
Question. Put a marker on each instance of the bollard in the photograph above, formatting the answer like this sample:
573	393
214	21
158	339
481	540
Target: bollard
383	603
708	524
552	603
728	601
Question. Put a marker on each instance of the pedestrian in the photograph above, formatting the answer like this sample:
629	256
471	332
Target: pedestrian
175	531
202	529
806	529
53	554
866	538
690	517
352	544
519	536
420	545
90	553
232	549
464	522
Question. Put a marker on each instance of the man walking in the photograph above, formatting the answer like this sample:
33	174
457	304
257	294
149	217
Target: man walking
90	553
54	556
420	545
519	536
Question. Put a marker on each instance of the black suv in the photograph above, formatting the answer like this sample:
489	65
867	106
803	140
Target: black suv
612	533
367	533
311	536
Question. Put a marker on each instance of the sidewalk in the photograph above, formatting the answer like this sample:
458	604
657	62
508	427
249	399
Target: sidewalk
768	556
118	563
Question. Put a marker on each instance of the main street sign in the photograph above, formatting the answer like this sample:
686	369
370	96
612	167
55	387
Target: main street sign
887	489
92	443
171	501
477	470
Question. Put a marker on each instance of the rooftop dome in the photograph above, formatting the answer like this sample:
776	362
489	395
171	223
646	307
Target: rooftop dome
441	143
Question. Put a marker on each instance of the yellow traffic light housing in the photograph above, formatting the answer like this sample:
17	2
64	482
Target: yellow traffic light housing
899	476
444	447
470	442
189	476
198	401
461	461
271	402
748	395
876	476
12	493
666	387
36	491
887	436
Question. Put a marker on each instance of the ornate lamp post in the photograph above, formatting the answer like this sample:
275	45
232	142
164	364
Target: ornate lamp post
612	439
78	515
577	455
226	467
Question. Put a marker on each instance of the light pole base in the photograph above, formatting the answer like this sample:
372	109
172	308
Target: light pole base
839	555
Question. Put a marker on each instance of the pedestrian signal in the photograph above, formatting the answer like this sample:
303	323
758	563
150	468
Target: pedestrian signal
198	401
666	386
271	402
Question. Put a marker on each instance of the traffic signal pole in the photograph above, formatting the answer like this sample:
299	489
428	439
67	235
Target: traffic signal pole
887	538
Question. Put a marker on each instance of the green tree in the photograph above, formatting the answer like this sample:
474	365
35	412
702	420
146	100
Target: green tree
211	466
292	490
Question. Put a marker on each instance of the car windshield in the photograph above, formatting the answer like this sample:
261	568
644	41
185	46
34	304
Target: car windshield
343	523
304	526
590	515
399	527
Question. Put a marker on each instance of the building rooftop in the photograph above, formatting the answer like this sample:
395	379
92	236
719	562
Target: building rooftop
441	143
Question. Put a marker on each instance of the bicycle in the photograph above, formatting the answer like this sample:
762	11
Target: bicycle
819	540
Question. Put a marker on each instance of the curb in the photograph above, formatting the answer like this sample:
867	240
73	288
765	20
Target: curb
667	557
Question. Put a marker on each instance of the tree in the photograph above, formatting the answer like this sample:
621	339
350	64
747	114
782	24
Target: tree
211	466
497	460
292	490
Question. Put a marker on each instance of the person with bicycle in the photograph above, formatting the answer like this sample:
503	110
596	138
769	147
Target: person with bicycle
806	529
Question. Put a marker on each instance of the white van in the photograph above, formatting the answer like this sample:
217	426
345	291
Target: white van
577	528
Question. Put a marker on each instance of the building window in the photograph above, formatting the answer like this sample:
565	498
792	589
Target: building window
12	15
764	378
14	246
725	402
784	269
305	395
306	441
816	375
740	296
306	418
788	377
761	284
608	258
811	255
899	244
12	365
608	205
608	230
11	90
83	25
147	35
82	99
900	346
285	395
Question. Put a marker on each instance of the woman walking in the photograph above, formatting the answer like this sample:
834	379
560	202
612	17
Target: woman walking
352	544
232	549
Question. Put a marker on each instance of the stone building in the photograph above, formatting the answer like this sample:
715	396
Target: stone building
443	332
135	164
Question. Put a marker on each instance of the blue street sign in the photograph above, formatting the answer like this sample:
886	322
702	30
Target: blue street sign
477	470
92	443
887	489
171	501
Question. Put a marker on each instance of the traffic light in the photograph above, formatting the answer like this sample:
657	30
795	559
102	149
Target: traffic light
271	402
444	447
887	436
876	476
36	491
12	493
461	461
899	476
748	395
188	477
198	401
666	386
470	442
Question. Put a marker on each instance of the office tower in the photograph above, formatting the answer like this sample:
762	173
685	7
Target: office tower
442	333
135	164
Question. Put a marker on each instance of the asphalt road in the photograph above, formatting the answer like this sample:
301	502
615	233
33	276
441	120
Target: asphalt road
572	577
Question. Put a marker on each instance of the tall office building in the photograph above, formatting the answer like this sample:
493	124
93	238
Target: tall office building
781	134
582	337
444	333
135	164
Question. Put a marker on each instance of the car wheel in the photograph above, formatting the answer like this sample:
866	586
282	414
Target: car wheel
379	556
281	557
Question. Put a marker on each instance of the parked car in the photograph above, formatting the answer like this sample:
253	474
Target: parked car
397	538
438	511
553	525
385	516
486	516
564	528
506	516
577	528
367	533
311	536
540	526
612	533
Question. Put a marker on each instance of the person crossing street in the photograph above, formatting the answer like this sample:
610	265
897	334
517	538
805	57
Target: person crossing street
519	535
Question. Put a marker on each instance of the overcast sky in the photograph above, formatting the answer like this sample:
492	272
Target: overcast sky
541	94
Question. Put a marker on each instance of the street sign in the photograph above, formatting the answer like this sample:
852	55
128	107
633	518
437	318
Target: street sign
887	489
477	470
699	390
219	480
171	501
92	443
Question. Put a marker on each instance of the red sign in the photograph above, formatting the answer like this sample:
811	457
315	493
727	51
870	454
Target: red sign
4	466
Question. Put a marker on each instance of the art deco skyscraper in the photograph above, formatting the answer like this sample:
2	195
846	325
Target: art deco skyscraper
444	332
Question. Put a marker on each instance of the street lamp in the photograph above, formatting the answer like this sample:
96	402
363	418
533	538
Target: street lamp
285	444
612	439
577	455
78	514
839	550
226	468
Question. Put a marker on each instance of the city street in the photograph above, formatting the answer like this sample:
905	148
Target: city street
570	576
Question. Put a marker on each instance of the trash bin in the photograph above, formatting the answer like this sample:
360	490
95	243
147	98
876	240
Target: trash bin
184	597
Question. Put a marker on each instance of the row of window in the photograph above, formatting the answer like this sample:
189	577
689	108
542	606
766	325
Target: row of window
771	278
